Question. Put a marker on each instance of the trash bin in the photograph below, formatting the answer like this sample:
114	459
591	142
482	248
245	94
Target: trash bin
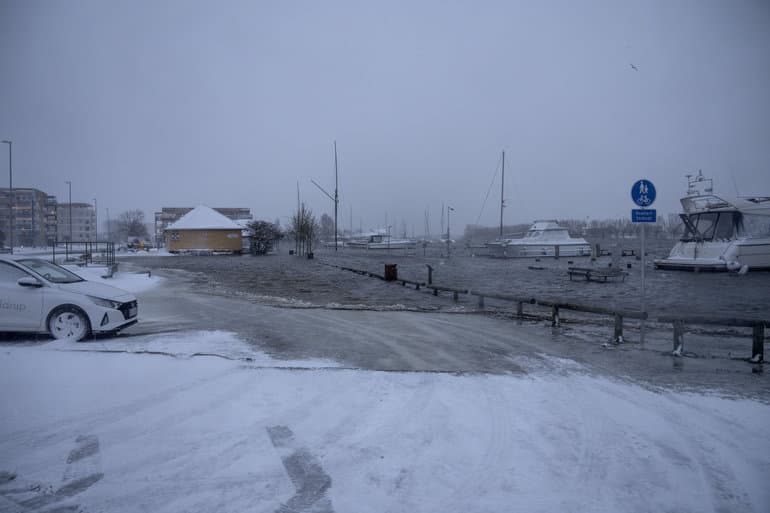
391	272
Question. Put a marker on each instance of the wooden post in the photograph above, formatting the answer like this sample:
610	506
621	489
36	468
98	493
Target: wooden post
435	292
454	296
520	309
555	316
417	286
758	343
556	252
481	301
618	336
678	338
430	274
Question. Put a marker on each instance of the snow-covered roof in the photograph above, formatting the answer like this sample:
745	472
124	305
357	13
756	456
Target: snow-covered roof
204	218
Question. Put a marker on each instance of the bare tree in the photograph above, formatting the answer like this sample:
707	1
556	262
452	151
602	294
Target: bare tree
131	224
304	229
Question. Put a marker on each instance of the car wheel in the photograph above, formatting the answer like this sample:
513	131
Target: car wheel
69	323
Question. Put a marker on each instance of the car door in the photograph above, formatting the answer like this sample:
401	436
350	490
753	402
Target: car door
21	307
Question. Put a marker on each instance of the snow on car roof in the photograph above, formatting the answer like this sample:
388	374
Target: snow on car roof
204	218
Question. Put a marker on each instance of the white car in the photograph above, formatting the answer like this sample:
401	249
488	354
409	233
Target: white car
38	296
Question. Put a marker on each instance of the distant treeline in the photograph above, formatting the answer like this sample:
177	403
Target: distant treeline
669	227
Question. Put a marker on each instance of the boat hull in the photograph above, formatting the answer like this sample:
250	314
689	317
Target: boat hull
538	250
719	256
382	245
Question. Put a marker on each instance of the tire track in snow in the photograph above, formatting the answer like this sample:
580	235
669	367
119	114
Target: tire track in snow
83	470
305	471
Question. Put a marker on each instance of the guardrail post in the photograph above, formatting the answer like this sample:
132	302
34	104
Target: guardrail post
758	343
617	338
481	301
678	338
435	292
417	286
430	274
455	298
555	316
520	309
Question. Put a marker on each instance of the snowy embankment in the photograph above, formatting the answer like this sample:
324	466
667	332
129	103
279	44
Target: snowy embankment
171	432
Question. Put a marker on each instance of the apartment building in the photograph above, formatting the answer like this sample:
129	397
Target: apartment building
76	222
34	216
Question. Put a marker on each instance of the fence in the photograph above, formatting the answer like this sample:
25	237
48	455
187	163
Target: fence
86	252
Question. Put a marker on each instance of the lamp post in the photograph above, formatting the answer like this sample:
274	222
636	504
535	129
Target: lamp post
70	187
389	227
336	197
109	230
10	188
96	221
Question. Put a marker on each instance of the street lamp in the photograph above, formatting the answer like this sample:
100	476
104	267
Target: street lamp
96	221
70	187
10	188
389	227
336	197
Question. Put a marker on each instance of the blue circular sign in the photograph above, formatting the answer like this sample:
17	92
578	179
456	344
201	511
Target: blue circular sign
643	193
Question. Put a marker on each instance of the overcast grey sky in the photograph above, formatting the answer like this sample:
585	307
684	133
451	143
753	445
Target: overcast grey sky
145	104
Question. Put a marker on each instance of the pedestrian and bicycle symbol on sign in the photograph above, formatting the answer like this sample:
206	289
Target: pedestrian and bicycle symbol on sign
643	194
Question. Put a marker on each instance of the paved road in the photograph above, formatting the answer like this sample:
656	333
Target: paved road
430	341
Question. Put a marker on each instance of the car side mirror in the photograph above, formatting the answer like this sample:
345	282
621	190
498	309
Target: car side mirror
29	281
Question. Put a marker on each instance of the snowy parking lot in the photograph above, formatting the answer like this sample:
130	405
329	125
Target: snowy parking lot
374	411
242	432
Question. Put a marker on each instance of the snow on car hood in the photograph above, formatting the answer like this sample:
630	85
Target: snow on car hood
92	288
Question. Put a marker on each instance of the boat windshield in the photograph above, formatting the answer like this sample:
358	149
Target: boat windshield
710	226
548	233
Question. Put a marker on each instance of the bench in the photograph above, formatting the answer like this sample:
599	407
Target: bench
596	274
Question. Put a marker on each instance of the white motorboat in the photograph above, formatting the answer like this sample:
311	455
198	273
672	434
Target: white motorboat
381	241
544	238
721	233
340	243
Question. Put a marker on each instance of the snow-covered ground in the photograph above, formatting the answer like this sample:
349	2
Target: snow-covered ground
128	281
150	423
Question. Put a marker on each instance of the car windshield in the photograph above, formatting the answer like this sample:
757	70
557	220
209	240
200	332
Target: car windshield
51	272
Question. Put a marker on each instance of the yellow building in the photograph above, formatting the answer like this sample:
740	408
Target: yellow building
204	229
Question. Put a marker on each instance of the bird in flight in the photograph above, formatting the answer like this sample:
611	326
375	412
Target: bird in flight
634	67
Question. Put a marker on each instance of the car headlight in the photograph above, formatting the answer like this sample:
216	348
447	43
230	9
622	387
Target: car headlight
104	302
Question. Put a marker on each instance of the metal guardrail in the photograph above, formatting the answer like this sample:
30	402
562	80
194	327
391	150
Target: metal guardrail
679	322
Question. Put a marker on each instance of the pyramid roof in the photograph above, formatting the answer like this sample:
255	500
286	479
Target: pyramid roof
204	218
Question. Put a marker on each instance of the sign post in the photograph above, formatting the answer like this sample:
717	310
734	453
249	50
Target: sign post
643	194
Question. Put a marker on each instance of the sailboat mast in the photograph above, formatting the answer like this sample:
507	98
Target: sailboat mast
336	195
442	221
502	199
298	224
